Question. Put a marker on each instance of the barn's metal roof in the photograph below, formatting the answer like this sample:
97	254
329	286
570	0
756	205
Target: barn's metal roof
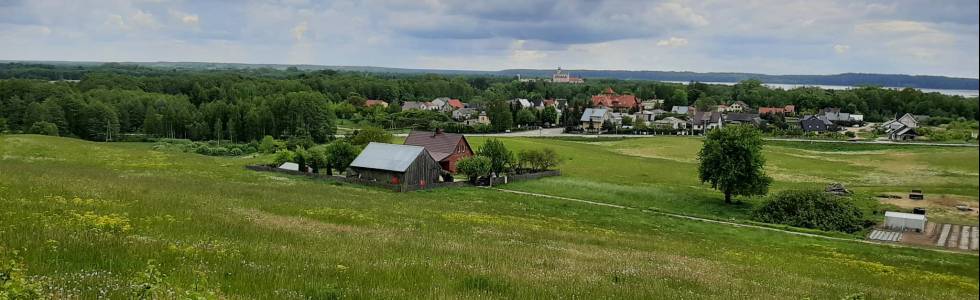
390	157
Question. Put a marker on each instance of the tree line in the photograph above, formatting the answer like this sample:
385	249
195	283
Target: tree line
113	101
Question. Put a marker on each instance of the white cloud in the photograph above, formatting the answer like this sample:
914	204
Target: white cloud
185	18
841	49
143	19
672	42
680	13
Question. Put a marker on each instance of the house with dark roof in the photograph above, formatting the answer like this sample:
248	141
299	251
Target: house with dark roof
445	148
610	99
743	118
811	123
703	121
403	165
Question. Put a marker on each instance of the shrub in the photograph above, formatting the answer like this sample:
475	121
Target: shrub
538	160
811	209
474	167
235	152
283	156
45	128
267	145
371	134
500	158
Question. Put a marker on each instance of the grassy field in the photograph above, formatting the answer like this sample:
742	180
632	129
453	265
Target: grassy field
662	173
92	219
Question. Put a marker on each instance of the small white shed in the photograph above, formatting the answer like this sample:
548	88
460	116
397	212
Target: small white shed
902	221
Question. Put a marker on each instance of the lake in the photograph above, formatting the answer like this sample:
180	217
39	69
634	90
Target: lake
964	93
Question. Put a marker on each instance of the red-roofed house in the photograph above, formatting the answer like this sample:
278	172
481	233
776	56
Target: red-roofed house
455	103
372	102
785	110
445	148
610	99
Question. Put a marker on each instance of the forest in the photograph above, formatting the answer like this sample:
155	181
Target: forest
115	101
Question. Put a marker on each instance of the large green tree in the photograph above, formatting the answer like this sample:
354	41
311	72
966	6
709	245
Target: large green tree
501	159
731	160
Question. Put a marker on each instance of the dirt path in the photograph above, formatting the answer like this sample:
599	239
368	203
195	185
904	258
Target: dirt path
733	224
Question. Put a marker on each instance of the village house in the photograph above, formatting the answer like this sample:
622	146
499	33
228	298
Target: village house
445	104
901	129
611	100
464	113
480	119
834	115
645	116
743	118
704	121
403	165
372	102
682	110
810	123
651	104
671	123
415	105
785	110
445	148
521	103
593	118
738	106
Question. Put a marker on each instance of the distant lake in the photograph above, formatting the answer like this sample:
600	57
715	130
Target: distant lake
964	93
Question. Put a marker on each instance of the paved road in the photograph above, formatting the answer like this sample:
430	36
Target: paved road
733	224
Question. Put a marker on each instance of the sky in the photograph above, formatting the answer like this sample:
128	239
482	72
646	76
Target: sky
759	36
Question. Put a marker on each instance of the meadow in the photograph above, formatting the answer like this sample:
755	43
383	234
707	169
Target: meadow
115	220
661	173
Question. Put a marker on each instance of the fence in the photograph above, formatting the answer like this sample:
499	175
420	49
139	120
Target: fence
406	187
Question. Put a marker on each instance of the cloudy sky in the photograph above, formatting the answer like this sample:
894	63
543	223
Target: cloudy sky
776	37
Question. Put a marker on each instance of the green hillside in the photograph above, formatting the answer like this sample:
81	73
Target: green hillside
89	220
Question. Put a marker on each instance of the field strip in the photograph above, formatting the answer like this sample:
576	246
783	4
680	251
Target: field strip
733	224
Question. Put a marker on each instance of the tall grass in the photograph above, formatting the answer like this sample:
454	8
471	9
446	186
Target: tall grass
95	220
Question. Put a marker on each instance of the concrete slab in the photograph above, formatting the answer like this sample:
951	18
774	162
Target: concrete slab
943	236
974	238
965	238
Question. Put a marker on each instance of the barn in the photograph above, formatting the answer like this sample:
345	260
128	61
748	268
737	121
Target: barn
445	148
403	165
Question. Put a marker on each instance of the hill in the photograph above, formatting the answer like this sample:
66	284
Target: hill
845	79
91	220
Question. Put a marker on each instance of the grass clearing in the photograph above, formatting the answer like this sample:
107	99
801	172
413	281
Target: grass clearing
210	226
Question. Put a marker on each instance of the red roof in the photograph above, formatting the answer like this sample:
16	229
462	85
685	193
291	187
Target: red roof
549	102
610	99
455	103
777	110
372	102
439	144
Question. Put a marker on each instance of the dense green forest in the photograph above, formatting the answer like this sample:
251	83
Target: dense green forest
113	101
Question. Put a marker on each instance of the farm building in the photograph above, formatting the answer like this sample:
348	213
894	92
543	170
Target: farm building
903	221
396	164
445	148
